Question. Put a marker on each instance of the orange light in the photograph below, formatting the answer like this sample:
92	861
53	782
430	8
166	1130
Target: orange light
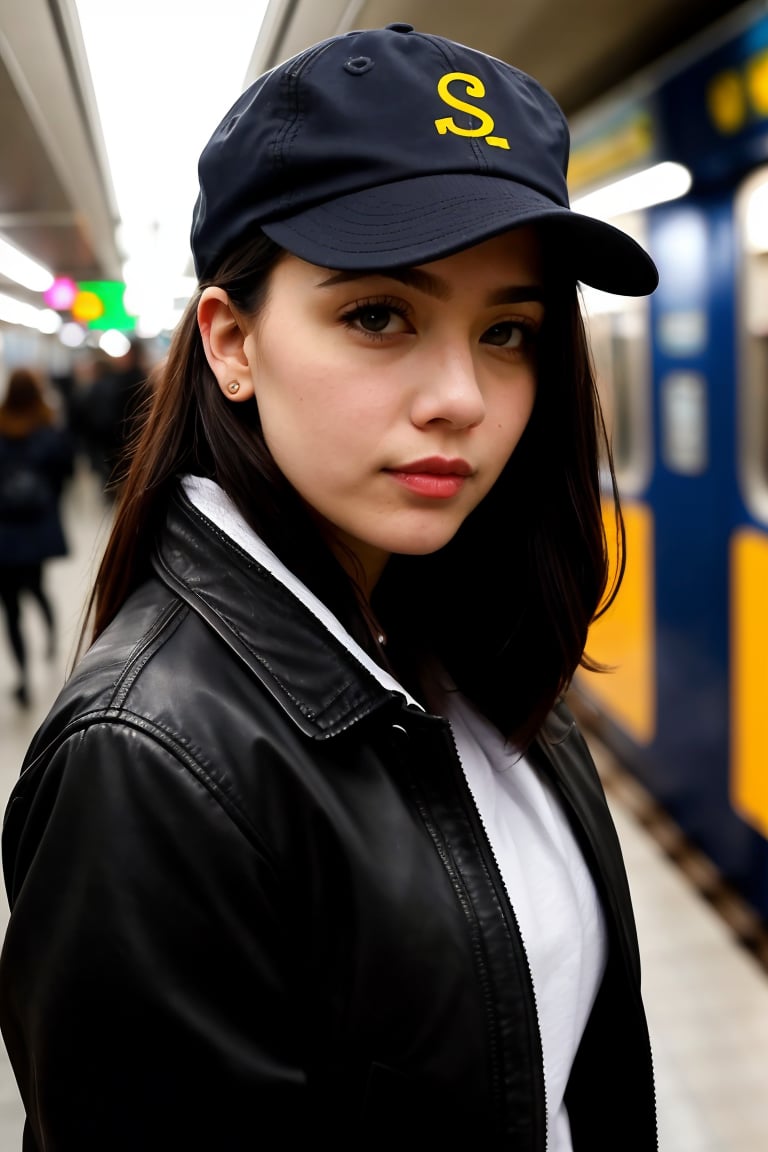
86	307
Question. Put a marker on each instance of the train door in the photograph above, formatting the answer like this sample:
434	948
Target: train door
749	540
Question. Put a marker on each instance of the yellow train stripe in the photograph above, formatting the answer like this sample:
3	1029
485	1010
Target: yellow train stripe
624	637
749	676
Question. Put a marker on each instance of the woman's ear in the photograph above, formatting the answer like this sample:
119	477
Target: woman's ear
223	341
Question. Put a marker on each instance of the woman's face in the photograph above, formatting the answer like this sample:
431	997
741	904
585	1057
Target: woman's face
392	400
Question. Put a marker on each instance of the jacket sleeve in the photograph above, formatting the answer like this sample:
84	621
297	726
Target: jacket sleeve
144	995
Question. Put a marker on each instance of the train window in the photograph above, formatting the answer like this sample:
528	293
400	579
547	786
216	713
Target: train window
619	333
684	422
752	232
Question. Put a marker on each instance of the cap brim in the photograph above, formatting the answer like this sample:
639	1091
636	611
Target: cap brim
423	219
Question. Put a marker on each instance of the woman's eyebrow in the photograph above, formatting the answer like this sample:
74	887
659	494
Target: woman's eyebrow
413	277
517	294
435	285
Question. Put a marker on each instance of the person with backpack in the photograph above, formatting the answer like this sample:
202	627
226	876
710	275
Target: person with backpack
35	460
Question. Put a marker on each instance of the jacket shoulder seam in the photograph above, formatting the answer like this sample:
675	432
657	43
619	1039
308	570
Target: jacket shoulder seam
172	742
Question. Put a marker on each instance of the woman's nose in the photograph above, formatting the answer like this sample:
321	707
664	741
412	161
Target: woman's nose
448	389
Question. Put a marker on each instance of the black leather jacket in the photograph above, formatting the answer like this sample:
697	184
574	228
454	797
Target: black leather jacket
253	904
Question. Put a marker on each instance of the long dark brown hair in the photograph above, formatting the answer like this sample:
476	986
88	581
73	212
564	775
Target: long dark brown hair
505	606
24	407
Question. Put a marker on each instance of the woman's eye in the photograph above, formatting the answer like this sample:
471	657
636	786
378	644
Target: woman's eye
374	319
377	319
511	334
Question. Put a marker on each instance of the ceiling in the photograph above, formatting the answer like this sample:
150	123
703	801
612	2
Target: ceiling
56	199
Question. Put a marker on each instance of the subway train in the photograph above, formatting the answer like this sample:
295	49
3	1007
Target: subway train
684	379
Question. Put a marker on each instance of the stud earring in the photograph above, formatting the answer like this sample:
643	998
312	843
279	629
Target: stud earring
233	386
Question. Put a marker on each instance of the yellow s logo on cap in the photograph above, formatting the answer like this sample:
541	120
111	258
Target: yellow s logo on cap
474	87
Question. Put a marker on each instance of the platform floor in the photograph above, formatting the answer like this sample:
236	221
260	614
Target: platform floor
706	995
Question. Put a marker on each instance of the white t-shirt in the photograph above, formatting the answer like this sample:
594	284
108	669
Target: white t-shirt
547	880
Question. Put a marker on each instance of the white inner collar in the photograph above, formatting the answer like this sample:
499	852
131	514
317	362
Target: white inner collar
212	501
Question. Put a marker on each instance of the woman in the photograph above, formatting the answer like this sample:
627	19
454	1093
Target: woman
35	460
310	848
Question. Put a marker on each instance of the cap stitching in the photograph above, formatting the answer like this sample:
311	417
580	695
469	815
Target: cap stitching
286	137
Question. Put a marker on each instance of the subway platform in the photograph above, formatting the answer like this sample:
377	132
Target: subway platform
706	994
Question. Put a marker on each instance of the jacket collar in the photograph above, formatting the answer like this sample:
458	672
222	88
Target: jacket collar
214	504
309	671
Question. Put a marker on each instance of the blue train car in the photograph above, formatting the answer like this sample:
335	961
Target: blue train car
685	383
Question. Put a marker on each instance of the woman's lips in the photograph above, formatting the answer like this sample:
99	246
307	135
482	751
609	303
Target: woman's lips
434	478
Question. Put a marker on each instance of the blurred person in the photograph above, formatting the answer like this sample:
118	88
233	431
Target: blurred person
87	367
35	461
112	405
310	848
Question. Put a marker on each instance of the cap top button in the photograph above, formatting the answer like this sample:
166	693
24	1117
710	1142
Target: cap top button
400	27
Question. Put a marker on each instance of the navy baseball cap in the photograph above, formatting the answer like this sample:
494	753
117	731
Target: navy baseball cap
389	148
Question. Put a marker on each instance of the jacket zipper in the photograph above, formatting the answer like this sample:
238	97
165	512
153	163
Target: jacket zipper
484	840
490	857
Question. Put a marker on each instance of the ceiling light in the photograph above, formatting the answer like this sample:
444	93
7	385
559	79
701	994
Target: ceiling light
656	185
14	311
114	343
22	269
